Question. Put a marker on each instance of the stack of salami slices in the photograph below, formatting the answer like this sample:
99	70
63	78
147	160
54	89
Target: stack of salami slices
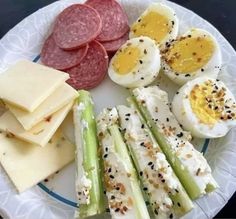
82	38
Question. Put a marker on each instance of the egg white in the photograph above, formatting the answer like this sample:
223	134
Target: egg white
211	69
142	74
182	109
167	12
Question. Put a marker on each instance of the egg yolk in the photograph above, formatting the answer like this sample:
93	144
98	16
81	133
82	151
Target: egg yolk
153	25
126	59
207	102
190	54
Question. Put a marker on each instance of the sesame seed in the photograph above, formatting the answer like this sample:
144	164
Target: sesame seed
142	78
141	40
202	69
111	176
145	51
179	204
107	210
113	197
150	163
180	135
163	180
125	208
141	62
156	212
127	119
141	173
117	209
167	119
142	126
145	188
171	216
128	114
187	75
105	155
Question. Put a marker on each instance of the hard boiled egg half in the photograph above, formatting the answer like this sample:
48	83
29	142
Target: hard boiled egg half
159	22
192	55
205	107
136	63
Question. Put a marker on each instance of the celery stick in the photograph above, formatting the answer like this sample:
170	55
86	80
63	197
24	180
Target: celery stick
121	184
146	152
124	154
194	183
88	173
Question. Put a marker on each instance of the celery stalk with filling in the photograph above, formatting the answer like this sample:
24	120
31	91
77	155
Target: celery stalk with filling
89	188
189	165
167	197
122	187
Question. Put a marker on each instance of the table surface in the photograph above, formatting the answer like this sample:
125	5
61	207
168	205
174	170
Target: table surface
221	13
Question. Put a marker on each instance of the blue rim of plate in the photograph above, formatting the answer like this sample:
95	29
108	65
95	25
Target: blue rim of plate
72	203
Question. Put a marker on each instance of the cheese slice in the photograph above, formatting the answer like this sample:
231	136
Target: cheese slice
59	98
39	134
28	84
27	164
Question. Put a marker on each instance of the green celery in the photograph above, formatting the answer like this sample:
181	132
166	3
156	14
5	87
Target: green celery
122	151
91	163
183	174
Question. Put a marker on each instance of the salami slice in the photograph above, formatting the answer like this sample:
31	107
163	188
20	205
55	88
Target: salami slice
114	19
76	26
55	57
114	45
91	70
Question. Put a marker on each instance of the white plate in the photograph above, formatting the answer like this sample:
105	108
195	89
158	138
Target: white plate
56	198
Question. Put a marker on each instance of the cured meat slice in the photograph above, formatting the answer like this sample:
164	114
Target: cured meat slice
76	26
114	19
91	70
55	57
114	45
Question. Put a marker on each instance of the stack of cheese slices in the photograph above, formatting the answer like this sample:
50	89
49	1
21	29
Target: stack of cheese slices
36	100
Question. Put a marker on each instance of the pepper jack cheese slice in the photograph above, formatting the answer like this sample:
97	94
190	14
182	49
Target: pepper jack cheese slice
28	84
27	164
59	98
39	134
